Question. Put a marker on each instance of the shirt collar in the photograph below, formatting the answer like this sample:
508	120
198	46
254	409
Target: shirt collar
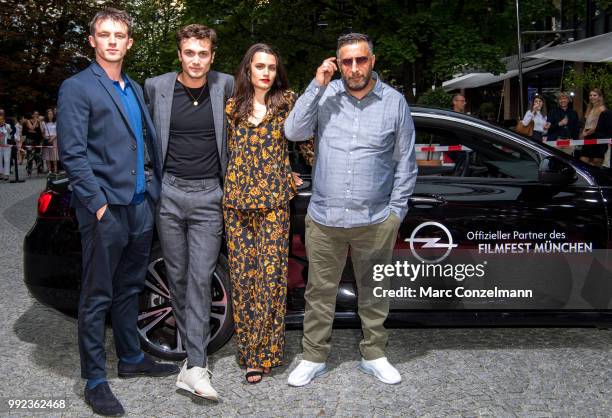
377	90
100	71
125	80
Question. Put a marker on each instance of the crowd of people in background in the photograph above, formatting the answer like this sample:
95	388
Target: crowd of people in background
29	140
562	122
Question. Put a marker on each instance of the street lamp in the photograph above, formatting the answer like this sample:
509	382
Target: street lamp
520	57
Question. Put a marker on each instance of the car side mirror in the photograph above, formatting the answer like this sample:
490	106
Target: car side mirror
553	170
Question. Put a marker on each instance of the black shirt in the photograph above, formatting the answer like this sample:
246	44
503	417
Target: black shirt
604	125
571	130
192	148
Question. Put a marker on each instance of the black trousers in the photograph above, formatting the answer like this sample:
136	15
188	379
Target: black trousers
115	256
15	160
538	136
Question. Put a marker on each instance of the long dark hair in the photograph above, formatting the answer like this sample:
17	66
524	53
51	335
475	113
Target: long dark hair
47	116
244	91
543	109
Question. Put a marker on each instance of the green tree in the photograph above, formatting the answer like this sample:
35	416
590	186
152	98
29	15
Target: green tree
42	42
155	24
594	76
416	43
435	98
297	29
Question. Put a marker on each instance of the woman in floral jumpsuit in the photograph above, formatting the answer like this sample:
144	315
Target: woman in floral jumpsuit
257	189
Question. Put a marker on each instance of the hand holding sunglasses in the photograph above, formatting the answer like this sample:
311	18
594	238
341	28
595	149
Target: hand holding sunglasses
326	71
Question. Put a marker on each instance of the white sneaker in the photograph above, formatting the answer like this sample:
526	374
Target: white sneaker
381	369
305	372
196	380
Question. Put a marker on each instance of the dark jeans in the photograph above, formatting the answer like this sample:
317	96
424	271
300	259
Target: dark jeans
115	257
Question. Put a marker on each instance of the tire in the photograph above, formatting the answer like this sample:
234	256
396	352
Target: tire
156	324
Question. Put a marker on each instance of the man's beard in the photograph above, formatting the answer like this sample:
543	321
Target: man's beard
359	85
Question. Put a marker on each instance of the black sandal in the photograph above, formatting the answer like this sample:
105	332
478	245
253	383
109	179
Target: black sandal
254	373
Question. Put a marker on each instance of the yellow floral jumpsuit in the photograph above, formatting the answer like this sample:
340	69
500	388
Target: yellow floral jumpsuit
258	187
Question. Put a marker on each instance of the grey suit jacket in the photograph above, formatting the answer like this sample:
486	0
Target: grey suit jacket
159	92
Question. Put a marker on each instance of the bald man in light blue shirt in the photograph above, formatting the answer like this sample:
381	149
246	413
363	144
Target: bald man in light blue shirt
365	171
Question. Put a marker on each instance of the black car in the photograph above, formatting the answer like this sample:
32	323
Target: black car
501	230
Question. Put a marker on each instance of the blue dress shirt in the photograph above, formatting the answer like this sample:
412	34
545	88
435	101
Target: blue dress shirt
132	108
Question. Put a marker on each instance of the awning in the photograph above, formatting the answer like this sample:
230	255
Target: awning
595	49
472	80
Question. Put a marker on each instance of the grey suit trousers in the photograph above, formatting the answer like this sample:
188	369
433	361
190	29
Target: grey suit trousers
190	224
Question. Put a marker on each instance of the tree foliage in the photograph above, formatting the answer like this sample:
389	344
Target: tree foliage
435	98
155	23
594	76
417	43
42	42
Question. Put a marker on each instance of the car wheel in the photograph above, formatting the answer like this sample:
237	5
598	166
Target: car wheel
156	324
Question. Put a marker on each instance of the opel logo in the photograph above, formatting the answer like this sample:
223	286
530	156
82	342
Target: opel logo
431	242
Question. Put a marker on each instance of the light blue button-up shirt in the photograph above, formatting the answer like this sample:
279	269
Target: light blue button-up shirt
365	163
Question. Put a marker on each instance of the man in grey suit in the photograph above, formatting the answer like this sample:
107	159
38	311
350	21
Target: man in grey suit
188	114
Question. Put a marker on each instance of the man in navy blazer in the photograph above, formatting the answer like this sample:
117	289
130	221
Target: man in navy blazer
105	133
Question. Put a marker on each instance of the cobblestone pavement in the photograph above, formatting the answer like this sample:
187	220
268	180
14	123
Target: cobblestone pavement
446	372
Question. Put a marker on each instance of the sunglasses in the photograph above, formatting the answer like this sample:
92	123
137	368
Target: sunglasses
348	62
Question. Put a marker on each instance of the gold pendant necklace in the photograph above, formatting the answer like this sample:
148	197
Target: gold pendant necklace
195	101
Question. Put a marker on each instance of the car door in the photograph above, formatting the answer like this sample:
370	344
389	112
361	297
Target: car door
481	208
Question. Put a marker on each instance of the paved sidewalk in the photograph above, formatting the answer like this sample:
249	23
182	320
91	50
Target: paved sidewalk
446	372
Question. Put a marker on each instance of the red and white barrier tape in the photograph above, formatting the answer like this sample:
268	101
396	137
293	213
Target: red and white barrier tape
570	142
434	148
557	143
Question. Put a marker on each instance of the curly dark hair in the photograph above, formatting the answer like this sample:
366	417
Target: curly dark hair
196	31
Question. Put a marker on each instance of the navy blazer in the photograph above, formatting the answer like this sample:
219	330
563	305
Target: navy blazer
97	146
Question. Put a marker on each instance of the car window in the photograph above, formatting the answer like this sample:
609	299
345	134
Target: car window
446	152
